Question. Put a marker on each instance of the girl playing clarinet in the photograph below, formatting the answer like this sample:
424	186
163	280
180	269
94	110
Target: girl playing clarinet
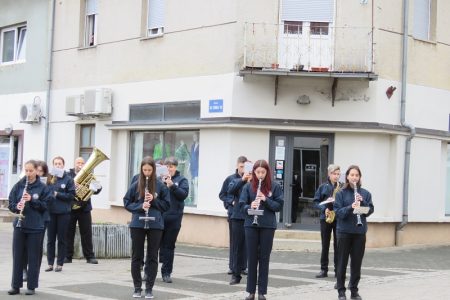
28	198
260	193
146	198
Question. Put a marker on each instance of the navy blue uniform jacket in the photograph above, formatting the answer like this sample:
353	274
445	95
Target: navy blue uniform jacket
274	203
346	219
235	189
133	203
65	188
227	198
178	193
35	208
324	191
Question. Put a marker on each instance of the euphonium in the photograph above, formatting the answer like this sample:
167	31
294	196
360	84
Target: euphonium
85	176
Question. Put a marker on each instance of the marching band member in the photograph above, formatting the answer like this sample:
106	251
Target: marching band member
266	195
147	197
63	192
29	197
351	230
84	218
327	191
238	251
179	190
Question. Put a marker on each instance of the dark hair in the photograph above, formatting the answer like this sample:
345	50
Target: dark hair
347	183
31	162
266	184
171	161
242	159
43	165
58	157
148	160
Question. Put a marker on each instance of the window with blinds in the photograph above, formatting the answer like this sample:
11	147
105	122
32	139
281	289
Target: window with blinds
422	10
155	18
90	23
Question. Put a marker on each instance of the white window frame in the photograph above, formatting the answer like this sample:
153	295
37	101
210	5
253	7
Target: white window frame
417	33
19	44
153	31
90	26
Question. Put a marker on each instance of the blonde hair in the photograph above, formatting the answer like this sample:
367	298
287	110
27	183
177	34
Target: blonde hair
333	167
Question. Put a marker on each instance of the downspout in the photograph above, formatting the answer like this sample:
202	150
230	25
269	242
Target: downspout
49	79
403	123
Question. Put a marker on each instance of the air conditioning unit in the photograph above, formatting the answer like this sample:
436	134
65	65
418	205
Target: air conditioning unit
30	113
74	105
97	102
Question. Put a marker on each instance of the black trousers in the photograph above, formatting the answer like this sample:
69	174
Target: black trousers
239	251
167	250
84	220
259	246
57	228
30	243
230	252
25	254
352	245
325	234
138	236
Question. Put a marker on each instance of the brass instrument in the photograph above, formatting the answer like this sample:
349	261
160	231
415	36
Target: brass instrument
20	216
85	176
332	214
358	216
255	217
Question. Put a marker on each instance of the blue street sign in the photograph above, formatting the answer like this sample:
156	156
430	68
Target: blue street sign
216	105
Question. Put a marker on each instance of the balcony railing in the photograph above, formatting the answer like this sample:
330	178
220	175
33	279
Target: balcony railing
304	48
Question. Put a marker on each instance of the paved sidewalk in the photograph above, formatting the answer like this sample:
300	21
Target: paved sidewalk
420	273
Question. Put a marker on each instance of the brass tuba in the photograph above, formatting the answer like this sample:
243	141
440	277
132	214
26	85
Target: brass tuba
85	176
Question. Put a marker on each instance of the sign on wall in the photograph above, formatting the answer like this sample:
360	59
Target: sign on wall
216	105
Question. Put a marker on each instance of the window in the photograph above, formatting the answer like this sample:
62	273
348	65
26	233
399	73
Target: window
13	42
293	27
319	28
447	192
425	12
183	145
87	140
171	111
90	26
155	18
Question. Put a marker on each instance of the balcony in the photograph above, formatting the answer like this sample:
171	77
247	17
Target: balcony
308	49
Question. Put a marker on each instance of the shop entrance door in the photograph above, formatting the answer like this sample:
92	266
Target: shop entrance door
299	162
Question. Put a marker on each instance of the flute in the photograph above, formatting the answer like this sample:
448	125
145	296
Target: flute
358	216
255	217
21	216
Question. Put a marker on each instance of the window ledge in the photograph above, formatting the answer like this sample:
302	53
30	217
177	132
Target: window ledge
425	41
151	37
88	47
11	63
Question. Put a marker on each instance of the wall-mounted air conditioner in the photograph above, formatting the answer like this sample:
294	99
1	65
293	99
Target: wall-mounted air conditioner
74	105
98	102
30	113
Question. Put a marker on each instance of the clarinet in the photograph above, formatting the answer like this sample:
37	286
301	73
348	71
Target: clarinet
146	211
21	216
255	217
358	216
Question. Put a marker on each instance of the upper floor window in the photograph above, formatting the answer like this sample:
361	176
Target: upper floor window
13	42
90	26
425	12
319	28
293	27
155	18
87	140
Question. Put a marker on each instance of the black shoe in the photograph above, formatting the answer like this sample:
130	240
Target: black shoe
230	272
92	261
250	297
235	280
50	268
58	269
29	292
261	297
355	296
14	291
148	294
244	272
322	274
137	293
68	260
24	275
167	279
342	296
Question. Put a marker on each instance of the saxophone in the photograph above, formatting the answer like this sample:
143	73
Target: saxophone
331	214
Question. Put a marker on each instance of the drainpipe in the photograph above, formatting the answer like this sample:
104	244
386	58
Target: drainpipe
49	79
411	128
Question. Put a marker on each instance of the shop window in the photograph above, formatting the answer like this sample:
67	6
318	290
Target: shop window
183	145
87	140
